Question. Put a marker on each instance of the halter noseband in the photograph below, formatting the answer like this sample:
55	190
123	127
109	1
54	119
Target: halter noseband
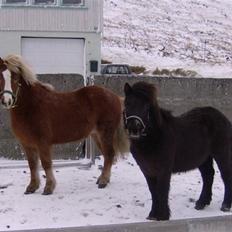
126	118
14	96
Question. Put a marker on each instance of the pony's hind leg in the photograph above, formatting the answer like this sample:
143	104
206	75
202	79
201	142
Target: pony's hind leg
104	178
46	161
33	161
225	168
105	144
207	174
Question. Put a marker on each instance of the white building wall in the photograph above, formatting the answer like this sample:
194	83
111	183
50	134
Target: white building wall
28	18
84	22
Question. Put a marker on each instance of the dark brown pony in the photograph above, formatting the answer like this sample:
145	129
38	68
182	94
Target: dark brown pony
41	117
163	144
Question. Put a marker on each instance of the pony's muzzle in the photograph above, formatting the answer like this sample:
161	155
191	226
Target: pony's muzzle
135	128
7	100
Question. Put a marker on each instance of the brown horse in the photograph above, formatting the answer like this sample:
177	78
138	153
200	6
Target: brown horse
41	117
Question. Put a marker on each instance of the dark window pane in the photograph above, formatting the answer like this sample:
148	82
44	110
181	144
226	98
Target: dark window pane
15	1
72	2
44	1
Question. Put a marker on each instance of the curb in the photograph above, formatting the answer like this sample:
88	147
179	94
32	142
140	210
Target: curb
209	224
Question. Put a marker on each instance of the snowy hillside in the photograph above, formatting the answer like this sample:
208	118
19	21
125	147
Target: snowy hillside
194	34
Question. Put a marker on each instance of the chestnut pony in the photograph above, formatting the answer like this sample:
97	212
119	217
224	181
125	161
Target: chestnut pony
41	117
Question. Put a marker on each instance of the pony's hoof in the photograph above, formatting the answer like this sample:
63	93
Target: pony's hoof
151	218
199	206
102	182
158	217
100	186
31	189
28	192
225	208
47	191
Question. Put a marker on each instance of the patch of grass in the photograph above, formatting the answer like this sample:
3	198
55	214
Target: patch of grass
179	72
106	62
137	69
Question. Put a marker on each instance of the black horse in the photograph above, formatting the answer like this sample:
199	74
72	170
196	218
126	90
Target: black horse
163	144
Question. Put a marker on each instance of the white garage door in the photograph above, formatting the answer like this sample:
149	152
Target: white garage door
54	55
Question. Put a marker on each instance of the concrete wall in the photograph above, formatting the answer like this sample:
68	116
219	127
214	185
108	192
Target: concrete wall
181	94
176	94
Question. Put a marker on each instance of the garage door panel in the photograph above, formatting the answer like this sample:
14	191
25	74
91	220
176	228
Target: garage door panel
52	55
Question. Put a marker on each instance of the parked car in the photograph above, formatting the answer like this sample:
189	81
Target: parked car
116	69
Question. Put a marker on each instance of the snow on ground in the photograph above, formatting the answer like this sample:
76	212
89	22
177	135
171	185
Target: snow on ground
78	202
190	34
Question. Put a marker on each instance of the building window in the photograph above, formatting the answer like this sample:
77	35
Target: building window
45	2
15	1
72	2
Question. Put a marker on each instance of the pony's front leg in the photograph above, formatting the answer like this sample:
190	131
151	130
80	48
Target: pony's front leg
33	161
46	161
159	188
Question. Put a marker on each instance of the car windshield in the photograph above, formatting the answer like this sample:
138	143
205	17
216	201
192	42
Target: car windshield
116	69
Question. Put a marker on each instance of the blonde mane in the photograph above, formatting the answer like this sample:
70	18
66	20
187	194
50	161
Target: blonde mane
16	64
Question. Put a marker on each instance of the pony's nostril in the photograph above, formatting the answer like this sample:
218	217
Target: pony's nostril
9	102
4	104
3	101
135	131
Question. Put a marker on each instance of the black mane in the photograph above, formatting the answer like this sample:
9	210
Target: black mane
149	92
145	90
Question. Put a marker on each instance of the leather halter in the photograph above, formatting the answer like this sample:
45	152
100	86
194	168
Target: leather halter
126	118
14	95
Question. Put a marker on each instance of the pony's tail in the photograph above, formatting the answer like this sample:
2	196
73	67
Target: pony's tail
121	140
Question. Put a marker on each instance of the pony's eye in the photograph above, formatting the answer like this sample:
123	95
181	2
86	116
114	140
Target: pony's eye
15	78
127	104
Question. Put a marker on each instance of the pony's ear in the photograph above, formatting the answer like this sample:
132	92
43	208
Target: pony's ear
2	64
127	89
1	61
